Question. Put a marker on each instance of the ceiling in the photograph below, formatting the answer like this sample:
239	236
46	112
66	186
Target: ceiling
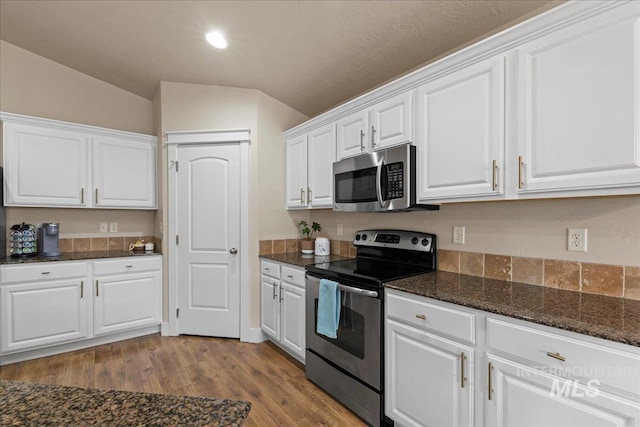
311	55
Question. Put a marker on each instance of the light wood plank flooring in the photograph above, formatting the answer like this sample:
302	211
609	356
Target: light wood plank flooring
262	373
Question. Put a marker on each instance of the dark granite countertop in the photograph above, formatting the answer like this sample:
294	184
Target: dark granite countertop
74	256
614	319
302	260
31	404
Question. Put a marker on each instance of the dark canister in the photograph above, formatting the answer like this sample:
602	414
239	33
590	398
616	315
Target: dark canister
23	240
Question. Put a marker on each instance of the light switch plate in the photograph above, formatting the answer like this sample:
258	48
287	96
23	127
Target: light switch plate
458	235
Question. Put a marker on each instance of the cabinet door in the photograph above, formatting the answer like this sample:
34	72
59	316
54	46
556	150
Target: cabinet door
296	172
270	307
352	135
292	318
127	301
124	173
523	396
392	121
322	154
460	133
40	314
424	379
579	94
45	166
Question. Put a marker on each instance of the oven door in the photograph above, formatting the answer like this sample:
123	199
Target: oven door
357	348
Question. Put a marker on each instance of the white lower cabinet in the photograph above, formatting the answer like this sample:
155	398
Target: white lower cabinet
52	307
282	316
517	373
127	299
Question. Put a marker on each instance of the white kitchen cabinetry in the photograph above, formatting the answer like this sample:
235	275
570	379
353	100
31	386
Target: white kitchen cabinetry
429	378
387	123
578	99
53	307
460	133
283	306
525	374
128	294
309	169
44	304
60	164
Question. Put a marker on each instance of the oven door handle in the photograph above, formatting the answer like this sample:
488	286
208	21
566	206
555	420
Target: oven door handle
358	291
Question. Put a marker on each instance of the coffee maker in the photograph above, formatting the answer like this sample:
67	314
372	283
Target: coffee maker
48	239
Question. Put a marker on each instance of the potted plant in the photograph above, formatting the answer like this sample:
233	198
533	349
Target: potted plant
307	243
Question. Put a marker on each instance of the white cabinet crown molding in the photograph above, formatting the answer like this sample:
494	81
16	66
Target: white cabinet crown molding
549	21
241	135
59	124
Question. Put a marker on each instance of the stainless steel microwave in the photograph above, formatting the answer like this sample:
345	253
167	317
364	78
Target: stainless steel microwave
382	181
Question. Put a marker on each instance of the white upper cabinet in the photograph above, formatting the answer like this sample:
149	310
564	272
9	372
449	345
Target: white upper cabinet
392	121
44	166
578	105
124	173
321	155
352	132
309	169
60	164
460	133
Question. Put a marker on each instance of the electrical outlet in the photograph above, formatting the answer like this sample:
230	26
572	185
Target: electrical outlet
577	239
103	227
339	230
113	227
458	235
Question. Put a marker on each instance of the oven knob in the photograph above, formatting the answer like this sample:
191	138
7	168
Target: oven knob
357	237
414	240
364	237
425	242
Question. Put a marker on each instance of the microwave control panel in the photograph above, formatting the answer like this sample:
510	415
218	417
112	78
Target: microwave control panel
395	181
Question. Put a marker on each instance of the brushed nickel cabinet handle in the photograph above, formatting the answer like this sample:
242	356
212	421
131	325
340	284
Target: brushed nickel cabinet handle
82	289
373	132
489	389
463	378
45	273
421	316
302	196
290	276
96	196
556	356
82	196
308	195
495	173
361	140
520	173
274	290
97	289
281	298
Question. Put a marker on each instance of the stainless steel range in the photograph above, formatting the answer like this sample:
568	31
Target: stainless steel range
350	366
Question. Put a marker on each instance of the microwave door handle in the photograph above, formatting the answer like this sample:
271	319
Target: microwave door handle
381	201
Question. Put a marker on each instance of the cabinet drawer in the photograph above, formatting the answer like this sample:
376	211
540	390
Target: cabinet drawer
270	269
126	265
583	359
42	271
293	276
423	315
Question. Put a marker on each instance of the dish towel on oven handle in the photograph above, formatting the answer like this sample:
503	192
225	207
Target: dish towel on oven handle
328	309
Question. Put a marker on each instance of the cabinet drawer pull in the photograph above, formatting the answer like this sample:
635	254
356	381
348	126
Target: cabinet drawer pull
489	373
463	378
495	173
45	273
267	269
128	266
520	174
556	356
289	276
421	316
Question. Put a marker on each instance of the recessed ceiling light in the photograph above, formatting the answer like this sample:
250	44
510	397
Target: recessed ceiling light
216	40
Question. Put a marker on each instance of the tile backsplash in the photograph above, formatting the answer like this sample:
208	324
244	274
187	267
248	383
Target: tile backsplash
103	243
602	279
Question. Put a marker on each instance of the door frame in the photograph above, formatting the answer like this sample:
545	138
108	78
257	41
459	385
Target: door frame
174	139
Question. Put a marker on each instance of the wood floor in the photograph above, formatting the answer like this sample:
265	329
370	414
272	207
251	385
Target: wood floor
263	374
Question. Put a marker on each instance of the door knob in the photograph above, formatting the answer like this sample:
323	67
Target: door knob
233	251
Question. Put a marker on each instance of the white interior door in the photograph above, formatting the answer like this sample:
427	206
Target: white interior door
209	239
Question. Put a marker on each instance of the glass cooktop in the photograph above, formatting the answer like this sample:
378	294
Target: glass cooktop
368	269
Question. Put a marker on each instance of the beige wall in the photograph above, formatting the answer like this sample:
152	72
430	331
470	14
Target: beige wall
33	85
532	228
201	107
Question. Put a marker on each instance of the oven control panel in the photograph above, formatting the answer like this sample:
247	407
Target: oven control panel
400	239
